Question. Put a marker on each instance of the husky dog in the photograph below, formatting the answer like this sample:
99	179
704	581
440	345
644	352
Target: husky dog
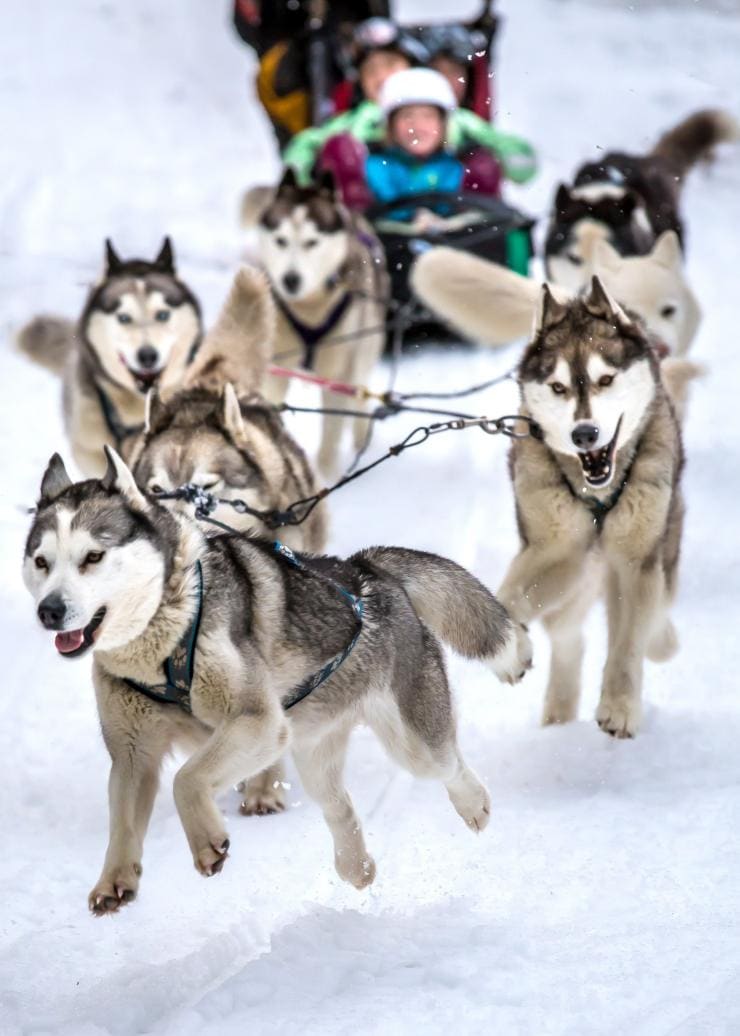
140	327
115	572
633	198
598	501
489	303
328	276
234	446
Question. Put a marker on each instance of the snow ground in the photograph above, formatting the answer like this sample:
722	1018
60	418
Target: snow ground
605	895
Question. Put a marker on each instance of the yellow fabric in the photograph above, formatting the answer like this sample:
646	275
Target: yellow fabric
291	111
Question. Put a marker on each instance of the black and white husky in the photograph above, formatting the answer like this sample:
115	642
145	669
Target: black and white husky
208	644
140	327
628	200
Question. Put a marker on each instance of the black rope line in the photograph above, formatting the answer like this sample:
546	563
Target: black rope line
297	512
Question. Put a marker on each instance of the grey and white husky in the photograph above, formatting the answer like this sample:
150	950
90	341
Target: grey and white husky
598	501
114	572
329	279
140	327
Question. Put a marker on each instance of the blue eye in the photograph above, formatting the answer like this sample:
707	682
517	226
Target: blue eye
281	242
124	318
162	315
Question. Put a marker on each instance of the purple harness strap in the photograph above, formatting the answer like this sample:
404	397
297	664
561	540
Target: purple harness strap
311	336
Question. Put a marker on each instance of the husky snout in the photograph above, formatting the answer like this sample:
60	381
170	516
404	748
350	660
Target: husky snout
52	611
585	435
147	357
291	281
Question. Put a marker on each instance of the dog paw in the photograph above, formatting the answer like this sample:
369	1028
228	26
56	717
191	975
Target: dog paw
473	805
210	859
559	710
114	890
663	644
357	870
619	719
514	658
261	798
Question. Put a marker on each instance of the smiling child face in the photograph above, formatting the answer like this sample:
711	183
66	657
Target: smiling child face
418	129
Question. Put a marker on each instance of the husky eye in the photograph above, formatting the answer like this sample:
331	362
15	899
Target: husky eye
311	244
93	557
155	489
124	318
281	242
668	311
40	562
605	380
162	315
575	259
558	388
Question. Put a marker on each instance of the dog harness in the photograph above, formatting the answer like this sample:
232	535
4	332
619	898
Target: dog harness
179	668
311	336
118	430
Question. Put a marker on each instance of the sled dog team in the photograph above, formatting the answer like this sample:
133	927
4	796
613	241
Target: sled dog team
237	648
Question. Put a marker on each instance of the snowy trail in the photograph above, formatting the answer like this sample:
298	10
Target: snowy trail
605	895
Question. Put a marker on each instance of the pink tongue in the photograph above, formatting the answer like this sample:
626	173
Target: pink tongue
69	641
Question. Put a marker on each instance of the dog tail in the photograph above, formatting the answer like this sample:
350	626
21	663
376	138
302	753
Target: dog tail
239	346
458	608
694	139
47	341
481	300
677	375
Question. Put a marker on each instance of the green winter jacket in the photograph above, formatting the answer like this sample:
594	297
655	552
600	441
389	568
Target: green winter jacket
365	123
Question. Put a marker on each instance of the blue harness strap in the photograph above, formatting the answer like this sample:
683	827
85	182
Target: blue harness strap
312	682
179	668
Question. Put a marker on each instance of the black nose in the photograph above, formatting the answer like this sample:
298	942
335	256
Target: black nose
147	357
585	435
52	611
291	281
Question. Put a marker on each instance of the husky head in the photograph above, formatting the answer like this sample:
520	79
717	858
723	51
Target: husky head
588	378
97	558
600	210
304	238
140	319
211	440
655	287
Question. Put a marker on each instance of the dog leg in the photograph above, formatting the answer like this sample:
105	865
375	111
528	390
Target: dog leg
633	595
320	766
132	788
264	793
331	435
537	580
564	628
246	744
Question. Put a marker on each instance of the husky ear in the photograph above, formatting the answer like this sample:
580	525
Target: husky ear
667	251
165	261
118	477
154	409
113	262
326	184
231	415
549	312
288	183
562	198
55	479
599	303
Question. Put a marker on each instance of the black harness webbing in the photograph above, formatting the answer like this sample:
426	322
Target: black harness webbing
311	336
118	430
179	667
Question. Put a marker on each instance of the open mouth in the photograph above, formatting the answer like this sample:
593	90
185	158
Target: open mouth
598	465
144	378
73	643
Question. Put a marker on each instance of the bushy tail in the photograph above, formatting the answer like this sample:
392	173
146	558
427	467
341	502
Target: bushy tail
677	375
238	347
458	608
47	341
482	300
695	138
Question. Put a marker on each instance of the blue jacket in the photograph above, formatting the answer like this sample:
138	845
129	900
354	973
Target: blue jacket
393	173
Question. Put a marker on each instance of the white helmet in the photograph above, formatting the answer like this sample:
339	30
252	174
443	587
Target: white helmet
416	86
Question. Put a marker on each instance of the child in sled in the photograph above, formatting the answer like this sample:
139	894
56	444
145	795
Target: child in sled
416	158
